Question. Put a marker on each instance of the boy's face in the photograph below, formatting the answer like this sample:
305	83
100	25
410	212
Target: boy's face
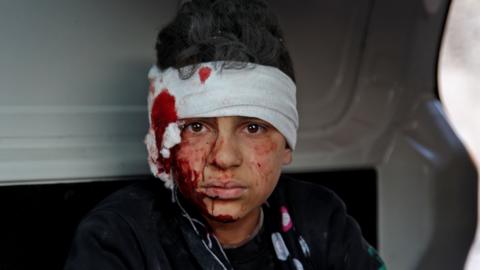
229	166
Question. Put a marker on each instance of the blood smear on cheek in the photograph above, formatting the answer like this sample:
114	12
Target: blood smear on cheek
187	180
263	149
261	169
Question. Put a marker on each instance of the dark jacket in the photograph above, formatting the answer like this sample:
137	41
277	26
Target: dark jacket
139	227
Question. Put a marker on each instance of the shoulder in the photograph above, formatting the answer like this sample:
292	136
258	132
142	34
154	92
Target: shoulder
142	198
309	197
141	192
137	208
316	210
121	228
333	236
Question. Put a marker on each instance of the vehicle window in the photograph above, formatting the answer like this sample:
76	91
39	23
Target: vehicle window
459	82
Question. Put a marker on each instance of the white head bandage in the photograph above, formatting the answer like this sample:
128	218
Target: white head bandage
257	91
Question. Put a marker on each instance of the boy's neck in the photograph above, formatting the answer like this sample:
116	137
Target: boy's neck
236	233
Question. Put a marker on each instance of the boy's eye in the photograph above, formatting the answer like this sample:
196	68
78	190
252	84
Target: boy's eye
254	128
195	127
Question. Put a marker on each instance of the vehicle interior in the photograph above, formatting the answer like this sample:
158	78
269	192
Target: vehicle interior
73	115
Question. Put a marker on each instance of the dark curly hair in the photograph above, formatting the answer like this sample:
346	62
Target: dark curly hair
237	31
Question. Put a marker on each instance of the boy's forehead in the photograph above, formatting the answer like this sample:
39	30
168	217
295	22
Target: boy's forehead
235	118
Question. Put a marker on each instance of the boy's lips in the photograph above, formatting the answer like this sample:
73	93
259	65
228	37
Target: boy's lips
229	190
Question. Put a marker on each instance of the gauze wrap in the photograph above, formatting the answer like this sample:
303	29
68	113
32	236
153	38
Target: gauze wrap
257	91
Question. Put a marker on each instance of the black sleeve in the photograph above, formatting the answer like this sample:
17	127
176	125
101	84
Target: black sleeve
104	240
346	247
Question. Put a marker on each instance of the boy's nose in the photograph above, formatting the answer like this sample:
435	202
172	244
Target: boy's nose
225	153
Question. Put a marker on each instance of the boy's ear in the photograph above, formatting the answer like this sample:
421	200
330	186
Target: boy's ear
287	156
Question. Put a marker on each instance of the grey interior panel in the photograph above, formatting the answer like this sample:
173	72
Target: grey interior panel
73	106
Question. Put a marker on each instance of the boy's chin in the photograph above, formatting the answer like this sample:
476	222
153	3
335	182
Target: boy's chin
223	218
223	214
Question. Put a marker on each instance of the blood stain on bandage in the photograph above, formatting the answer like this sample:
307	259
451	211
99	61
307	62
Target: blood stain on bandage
204	73
163	113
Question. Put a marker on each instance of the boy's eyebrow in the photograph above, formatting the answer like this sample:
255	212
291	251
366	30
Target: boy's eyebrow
199	119
242	119
249	118
238	119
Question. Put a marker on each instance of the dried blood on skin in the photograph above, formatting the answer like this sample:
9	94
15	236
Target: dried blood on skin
163	113
263	149
219	218
187	180
186	177
258	163
204	73
224	218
